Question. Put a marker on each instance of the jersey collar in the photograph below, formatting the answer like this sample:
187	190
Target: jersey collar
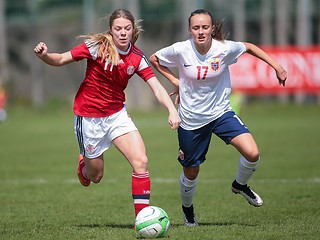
124	52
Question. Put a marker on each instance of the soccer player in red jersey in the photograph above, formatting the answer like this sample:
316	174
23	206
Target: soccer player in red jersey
101	117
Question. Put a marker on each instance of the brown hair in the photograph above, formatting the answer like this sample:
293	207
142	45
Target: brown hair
107	50
218	25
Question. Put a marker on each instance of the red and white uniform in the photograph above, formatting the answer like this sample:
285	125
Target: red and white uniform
101	93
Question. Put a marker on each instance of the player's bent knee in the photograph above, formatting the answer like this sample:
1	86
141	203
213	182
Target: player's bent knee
95	178
191	173
253	157
140	165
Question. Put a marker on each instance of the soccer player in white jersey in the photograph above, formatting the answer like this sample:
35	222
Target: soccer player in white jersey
203	88
101	117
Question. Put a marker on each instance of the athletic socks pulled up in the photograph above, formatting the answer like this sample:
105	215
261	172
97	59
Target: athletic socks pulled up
245	170
140	190
187	189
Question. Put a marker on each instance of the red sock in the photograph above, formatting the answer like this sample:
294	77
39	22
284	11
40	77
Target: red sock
140	190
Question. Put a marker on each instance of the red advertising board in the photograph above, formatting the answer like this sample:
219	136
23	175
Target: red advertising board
253	76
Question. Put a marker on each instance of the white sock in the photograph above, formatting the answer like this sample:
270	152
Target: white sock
245	170
187	188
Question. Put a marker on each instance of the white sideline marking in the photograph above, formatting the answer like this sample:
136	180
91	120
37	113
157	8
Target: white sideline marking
282	180
39	181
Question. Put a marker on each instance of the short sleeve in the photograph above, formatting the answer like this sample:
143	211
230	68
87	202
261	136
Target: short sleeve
235	50
80	52
167	56
144	70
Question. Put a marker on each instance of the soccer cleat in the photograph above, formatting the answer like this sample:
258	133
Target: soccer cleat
85	182
188	216
252	198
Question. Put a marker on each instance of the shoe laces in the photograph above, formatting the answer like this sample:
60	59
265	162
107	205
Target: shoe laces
189	214
248	191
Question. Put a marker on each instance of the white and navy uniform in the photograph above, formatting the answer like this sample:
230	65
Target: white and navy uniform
204	90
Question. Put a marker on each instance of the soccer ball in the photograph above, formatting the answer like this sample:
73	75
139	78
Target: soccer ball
152	222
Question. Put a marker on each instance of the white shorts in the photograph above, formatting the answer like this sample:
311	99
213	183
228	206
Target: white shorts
95	135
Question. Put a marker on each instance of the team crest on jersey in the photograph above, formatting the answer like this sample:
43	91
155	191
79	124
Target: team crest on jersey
215	64
130	70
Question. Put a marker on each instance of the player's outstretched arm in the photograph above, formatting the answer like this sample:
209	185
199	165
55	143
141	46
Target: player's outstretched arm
53	59
259	53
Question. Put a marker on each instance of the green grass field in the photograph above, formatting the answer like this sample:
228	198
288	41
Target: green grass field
40	197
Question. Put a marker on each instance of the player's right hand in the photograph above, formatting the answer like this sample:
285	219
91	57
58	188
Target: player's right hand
41	49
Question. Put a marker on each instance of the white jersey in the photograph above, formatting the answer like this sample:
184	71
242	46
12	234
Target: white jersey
204	79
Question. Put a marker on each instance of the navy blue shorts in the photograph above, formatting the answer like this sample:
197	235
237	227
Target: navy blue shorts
194	144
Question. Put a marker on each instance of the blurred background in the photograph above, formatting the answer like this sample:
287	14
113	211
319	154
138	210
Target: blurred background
289	30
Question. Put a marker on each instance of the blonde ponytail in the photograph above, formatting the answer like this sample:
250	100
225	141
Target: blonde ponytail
106	49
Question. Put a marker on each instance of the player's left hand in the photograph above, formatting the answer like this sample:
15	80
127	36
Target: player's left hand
281	75
177	98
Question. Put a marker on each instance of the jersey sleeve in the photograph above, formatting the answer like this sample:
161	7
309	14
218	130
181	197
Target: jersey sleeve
167	56
235	50
82	51
144	70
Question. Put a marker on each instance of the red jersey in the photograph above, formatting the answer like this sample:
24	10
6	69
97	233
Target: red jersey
101	93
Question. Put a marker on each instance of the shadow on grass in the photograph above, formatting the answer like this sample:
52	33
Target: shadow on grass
111	225
201	224
217	224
